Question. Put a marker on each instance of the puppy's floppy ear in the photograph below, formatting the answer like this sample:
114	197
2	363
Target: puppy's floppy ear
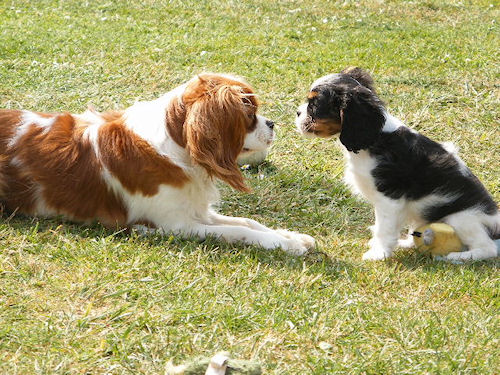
360	75
362	117
215	127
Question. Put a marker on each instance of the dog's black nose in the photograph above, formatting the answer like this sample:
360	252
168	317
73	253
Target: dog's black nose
299	112
270	124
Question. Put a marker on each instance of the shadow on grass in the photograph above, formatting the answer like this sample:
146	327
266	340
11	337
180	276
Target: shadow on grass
413	260
213	250
266	167
28	224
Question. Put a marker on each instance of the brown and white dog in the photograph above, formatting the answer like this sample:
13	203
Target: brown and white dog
155	162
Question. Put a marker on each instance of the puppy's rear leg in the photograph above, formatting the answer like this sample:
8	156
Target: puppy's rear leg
474	235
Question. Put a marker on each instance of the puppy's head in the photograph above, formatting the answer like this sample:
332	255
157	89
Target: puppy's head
344	103
222	123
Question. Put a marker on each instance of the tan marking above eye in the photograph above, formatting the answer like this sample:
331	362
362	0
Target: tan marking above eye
312	94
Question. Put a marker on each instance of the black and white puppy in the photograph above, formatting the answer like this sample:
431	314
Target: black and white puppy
410	179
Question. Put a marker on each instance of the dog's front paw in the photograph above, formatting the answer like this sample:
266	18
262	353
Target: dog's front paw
377	251
307	241
143	230
295	248
375	254
273	240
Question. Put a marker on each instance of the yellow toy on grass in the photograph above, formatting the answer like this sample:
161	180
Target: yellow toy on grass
440	239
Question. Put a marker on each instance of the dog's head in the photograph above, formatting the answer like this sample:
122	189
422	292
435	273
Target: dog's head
222	123
344	103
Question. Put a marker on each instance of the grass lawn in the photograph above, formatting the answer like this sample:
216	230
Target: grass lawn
77	300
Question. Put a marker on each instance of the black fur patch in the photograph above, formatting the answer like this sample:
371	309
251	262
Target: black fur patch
361	76
412	166
362	119
344	99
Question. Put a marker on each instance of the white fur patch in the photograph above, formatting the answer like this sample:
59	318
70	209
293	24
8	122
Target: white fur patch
171	208
391	123
92	133
29	119
41	208
147	120
261	137
453	150
323	79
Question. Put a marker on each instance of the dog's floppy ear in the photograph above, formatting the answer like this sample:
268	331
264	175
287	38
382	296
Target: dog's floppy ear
215	127
362	117
360	75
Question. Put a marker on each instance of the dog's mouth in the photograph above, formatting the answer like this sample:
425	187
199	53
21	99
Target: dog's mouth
307	128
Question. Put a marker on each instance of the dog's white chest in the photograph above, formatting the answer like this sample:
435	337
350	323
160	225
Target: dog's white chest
358	174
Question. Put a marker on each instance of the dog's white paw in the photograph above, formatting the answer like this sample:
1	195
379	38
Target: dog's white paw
377	252
307	240
304	239
406	243
143	230
295	248
273	240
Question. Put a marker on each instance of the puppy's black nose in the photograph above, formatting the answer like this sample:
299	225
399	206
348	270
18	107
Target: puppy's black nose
270	124
299	112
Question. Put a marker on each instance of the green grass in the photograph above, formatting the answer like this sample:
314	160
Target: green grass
80	300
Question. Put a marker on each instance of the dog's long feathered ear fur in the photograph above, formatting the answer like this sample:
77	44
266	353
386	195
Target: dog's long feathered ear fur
215	127
360	75
362	117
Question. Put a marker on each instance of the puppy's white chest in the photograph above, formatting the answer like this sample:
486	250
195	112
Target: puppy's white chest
358	174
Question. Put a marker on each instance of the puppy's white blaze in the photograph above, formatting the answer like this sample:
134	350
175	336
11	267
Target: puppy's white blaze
323	79
450	147
28	119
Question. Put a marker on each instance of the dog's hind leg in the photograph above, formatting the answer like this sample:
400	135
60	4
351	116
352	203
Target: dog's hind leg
474	234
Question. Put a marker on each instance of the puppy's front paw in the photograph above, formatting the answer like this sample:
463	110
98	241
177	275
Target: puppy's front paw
377	252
